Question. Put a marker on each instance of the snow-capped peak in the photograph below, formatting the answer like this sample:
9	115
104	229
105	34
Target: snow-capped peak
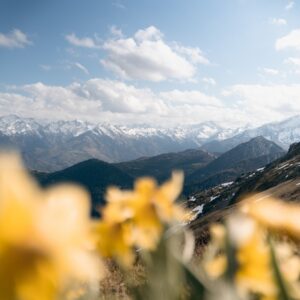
284	133
73	128
14	125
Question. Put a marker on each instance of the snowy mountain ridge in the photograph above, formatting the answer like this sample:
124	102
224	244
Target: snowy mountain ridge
13	125
50	146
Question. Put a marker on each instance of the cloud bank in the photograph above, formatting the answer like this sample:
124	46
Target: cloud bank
102	100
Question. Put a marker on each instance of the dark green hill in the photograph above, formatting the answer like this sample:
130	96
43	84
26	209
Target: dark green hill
95	175
161	166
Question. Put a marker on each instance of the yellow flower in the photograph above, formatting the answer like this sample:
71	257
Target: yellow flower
255	272
279	217
165	196
215	261
216	267
274	214
246	232
115	241
137	217
45	241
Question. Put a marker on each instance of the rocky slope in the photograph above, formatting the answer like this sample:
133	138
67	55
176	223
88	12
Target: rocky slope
281	178
243	158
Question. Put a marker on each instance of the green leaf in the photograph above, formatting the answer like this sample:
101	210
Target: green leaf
196	287
164	274
232	264
282	289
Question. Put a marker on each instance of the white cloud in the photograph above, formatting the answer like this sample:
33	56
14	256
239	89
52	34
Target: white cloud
270	71
294	62
116	102
150	33
82	68
85	42
95	99
290	5
115	31
195	55
113	101
265	103
209	80
289	41
278	21
192	97
147	56
116	96
15	39
46	67
119	5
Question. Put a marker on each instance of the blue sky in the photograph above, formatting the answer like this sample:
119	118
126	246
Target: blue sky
169	62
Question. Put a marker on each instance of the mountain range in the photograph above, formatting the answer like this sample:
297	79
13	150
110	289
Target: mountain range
243	158
202	169
161	166
52	146
282	133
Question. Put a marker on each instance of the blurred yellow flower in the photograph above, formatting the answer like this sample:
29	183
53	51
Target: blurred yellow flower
281	218
137	217
45	240
255	273
274	214
245	236
216	267
115	241
215	261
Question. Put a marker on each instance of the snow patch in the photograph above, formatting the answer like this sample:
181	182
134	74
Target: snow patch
282	167
213	198
192	199
197	210
260	169
225	184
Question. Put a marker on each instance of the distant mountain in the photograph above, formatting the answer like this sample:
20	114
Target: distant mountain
282	133
93	174
243	158
96	175
286	168
52	146
161	166
56	145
